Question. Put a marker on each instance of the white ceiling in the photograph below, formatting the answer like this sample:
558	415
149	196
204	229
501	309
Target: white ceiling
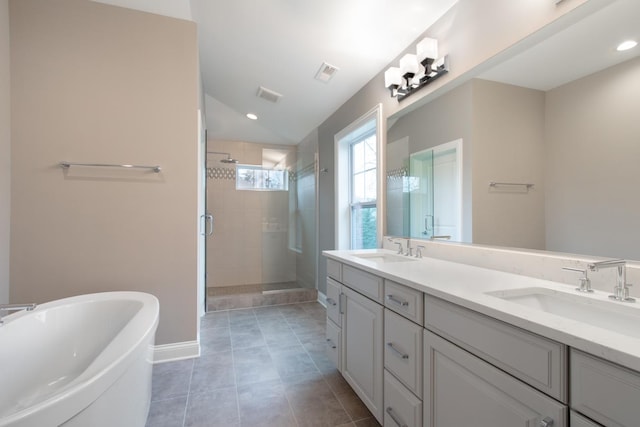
584	48
281	44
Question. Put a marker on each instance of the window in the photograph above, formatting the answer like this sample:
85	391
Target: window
258	178
358	183
363	190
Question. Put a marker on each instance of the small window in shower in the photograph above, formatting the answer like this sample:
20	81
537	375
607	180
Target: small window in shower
257	178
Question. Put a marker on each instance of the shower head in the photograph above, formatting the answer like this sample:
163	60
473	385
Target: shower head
229	159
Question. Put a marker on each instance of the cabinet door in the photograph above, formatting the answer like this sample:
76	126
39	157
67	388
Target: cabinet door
362	344
463	390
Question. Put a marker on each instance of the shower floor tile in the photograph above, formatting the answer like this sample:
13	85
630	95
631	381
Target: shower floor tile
259	366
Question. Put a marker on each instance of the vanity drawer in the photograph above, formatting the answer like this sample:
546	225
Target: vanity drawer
404	300
334	269
603	391
538	361
334	347
366	283
334	289
577	420
401	407
403	350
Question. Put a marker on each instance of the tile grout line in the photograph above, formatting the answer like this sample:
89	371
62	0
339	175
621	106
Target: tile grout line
235	378
186	403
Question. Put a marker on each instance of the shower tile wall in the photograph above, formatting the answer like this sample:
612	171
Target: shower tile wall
249	244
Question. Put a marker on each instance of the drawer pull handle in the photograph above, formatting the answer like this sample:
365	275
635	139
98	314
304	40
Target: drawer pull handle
397	301
331	343
394	417
546	422
396	351
332	301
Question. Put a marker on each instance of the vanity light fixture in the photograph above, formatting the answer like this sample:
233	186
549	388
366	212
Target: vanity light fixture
626	45
252	116
416	71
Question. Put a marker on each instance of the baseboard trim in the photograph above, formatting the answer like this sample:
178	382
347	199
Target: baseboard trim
322	299
176	351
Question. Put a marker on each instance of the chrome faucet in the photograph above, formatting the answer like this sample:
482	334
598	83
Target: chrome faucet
585	282
621	290
15	307
396	243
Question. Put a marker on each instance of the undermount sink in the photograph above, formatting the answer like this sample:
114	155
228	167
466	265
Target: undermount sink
383	258
618	317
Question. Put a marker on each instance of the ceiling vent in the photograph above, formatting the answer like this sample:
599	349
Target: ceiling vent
268	95
326	72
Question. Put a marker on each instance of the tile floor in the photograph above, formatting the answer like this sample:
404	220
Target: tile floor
262	366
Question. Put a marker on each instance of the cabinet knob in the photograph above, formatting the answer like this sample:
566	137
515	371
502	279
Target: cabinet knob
546	422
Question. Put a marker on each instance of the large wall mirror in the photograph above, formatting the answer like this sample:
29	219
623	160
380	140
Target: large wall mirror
551	143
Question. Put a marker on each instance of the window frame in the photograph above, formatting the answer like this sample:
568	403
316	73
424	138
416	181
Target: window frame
354	205
342	188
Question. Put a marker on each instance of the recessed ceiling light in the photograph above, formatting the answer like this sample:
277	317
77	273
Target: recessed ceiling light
252	116
629	44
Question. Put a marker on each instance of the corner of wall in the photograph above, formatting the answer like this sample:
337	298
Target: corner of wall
5	151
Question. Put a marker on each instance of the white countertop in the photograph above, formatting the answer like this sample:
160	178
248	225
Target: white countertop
466	286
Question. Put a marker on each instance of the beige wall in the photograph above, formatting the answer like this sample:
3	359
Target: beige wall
95	83
592	164
508	146
475	34
5	152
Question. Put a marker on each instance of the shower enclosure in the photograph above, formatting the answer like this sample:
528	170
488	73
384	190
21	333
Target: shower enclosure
262	250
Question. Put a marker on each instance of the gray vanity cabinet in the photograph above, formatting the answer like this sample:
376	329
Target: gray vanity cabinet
362	348
355	322
464	390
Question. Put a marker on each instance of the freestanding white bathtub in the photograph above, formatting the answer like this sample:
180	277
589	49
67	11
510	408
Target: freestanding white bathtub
83	361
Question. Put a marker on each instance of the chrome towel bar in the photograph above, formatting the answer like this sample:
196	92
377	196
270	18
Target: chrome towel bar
523	184
67	165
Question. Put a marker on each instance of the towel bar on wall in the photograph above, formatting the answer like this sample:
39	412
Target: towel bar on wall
500	184
67	165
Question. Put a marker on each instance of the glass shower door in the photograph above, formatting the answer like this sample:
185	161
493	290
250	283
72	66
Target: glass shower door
435	196
421	200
